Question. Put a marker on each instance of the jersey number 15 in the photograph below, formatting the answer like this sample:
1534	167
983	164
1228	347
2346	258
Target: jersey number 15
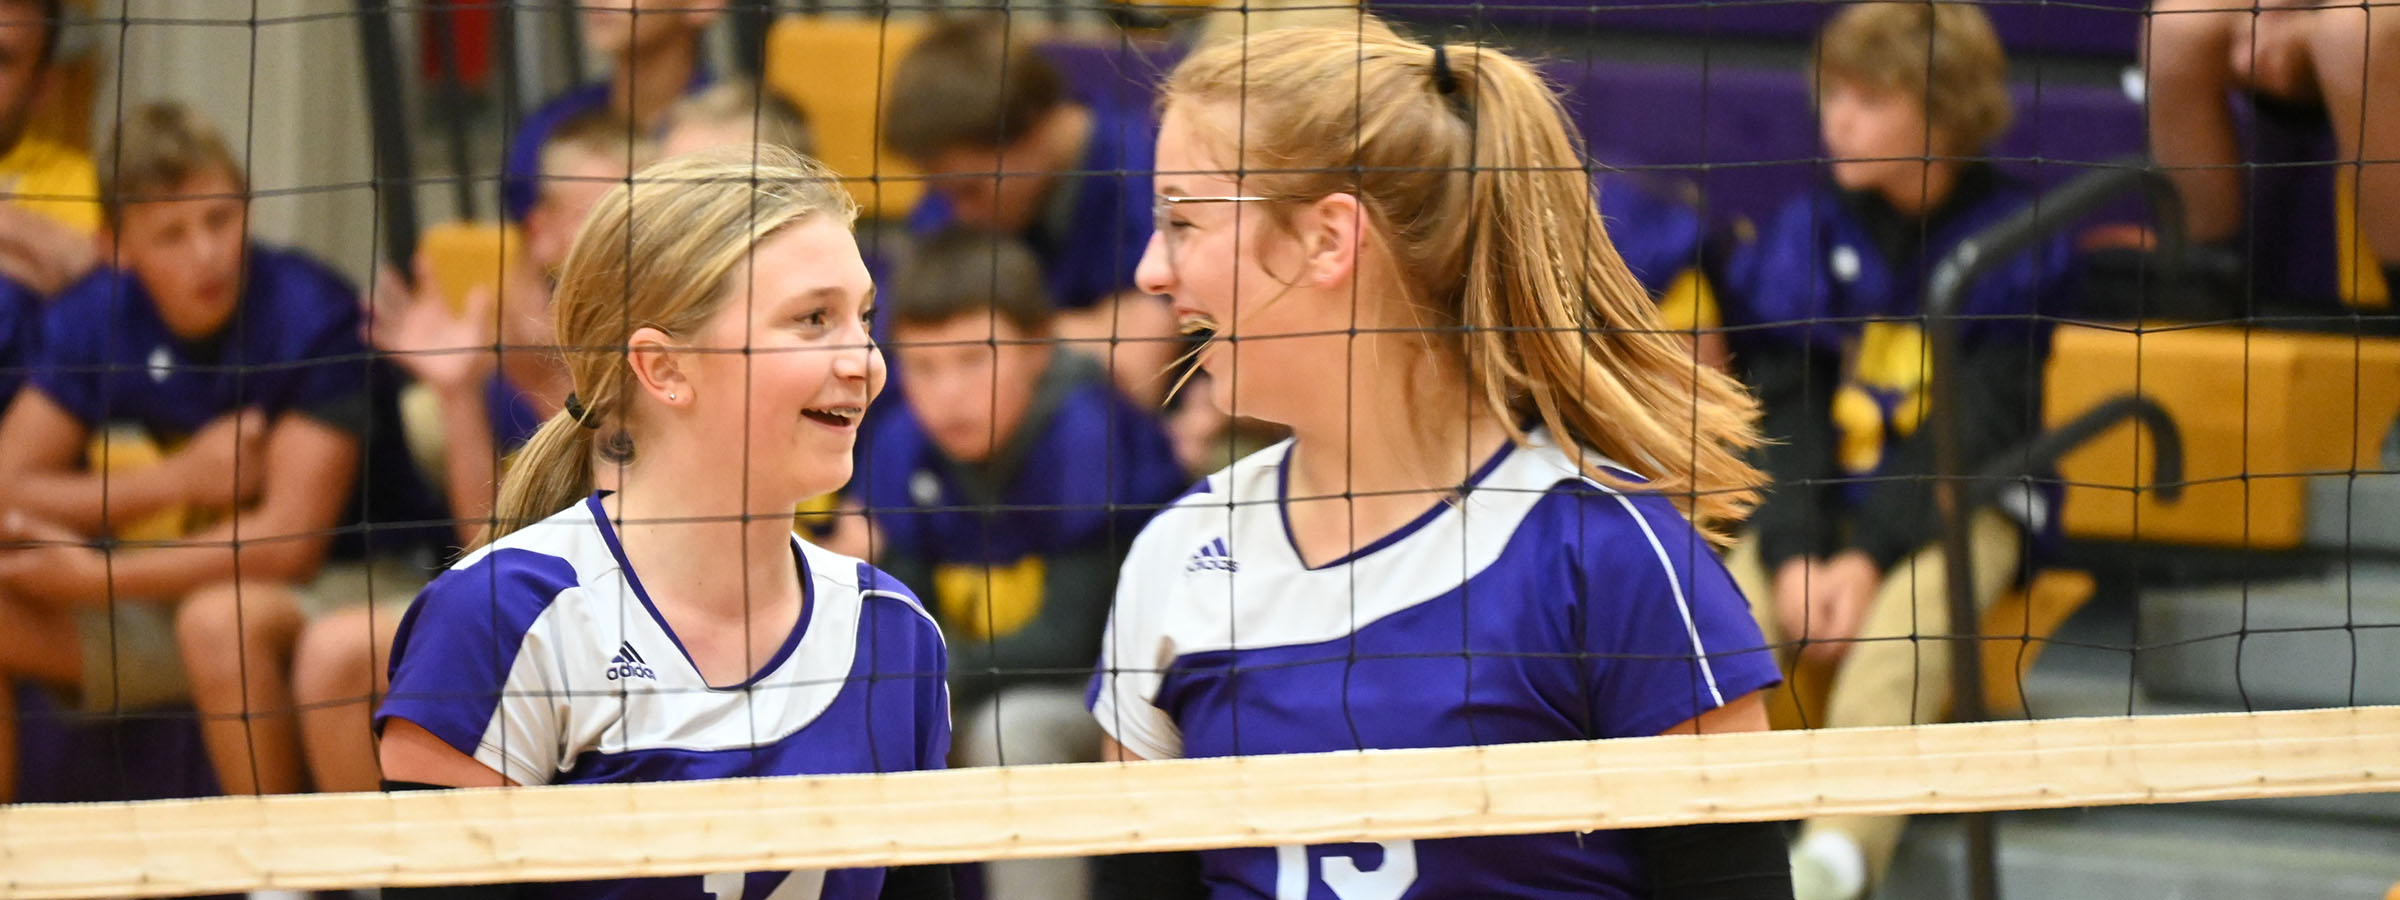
1341	874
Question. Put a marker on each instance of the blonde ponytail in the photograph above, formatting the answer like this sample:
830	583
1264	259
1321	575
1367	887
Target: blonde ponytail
552	471
1463	161
660	251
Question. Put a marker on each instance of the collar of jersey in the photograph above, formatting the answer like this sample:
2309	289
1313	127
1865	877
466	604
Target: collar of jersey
808	600
1283	508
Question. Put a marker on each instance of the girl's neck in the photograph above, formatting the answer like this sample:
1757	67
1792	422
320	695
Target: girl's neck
698	552
1370	462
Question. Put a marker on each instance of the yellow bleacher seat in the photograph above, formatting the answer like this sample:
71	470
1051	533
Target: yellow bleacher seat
463	256
816	62
2259	411
2019	625
2360	279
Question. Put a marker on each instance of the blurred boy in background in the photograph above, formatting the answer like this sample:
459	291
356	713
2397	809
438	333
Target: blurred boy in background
1835	563
1007	149
239	366
1006	491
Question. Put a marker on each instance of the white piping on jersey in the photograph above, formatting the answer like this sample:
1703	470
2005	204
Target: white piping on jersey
949	716
1683	607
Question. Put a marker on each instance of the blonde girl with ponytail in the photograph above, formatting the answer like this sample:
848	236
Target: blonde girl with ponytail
1495	521
713	314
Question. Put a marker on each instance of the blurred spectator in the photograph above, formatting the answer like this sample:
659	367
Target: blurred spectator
486	405
735	114
2340	63
47	190
1907	94
239	366
1660	236
1006	491
653	49
20	327
1008	148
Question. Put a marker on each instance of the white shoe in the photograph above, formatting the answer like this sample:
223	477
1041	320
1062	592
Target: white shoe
1828	865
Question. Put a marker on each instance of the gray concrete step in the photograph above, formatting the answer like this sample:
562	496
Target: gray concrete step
2361	513
2188	852
2328	641
2090	672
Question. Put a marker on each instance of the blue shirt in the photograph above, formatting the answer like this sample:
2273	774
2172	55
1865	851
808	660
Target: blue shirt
20	334
1658	236
1543	607
543	657
292	345
1096	221
513	418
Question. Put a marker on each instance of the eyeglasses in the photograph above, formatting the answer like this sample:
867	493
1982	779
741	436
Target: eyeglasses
1162	206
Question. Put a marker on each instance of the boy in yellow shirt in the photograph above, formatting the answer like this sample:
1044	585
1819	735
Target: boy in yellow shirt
48	191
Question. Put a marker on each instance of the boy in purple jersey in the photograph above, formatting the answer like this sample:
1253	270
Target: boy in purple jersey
713	315
1444	553
488	406
242	363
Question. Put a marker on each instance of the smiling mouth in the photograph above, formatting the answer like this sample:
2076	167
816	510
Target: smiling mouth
834	416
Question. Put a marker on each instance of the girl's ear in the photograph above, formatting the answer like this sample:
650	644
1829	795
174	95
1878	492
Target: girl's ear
1329	232
652	356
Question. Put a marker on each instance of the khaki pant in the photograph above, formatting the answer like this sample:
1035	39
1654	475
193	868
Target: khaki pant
1886	678
132	659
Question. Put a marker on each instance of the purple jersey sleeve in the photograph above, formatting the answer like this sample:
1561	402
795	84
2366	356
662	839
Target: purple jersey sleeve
456	669
1668	634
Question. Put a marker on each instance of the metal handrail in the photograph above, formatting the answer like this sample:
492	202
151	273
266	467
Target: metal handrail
1958	270
1961	268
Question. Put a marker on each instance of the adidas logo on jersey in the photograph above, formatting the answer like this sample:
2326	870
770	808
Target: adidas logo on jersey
629	664
1212	557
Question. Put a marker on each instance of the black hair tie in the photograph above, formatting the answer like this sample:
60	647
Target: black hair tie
576	412
1445	82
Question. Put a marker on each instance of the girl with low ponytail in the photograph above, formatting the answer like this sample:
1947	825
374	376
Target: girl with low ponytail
1482	529
713	315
